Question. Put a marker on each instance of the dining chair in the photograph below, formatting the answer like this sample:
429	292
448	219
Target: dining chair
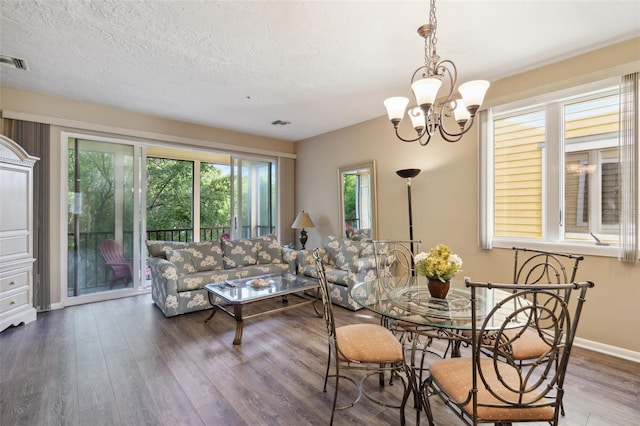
113	256
396	258
535	267
366	347
500	390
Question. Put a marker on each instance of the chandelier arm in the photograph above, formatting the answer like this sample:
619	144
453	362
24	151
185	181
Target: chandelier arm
420	135
443	71
424	143
449	137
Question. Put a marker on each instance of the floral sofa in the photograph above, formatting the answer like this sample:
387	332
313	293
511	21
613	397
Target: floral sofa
346	262
179	271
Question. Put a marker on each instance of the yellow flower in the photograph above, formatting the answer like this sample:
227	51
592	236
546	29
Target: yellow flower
440	263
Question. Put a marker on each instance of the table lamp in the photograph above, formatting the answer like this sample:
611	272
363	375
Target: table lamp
303	221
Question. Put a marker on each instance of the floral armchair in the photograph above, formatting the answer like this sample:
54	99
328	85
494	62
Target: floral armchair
347	262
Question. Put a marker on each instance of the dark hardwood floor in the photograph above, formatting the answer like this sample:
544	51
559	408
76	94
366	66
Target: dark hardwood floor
122	362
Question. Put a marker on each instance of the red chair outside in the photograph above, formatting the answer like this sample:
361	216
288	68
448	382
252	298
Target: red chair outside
113	256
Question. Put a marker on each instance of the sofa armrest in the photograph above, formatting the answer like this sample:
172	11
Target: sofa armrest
290	257
164	285
305	258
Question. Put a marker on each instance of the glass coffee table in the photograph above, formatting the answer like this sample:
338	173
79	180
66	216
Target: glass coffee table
232	295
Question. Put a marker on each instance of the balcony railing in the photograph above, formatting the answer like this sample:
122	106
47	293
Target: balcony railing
93	276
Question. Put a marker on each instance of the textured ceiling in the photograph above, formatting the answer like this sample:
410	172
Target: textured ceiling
321	65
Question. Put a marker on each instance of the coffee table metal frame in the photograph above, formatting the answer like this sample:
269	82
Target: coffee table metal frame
238	293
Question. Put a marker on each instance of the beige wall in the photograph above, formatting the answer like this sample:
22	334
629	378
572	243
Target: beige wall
445	195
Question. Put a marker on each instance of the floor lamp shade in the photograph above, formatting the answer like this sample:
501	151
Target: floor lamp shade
303	221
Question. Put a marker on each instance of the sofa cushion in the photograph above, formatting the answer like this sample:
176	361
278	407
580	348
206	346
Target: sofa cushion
182	259
157	248
269	251
334	275
239	253
206	256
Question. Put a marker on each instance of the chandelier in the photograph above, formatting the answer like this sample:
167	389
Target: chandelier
427	117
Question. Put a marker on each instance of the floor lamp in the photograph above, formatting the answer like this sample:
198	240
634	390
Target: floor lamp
408	174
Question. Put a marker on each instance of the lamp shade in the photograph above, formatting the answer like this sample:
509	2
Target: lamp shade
396	107
303	221
426	90
473	92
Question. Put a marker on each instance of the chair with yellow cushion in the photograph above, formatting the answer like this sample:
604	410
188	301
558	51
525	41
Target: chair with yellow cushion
367	347
500	389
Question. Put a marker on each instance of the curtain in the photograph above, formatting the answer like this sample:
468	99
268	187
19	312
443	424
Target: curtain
34	138
286	207
485	180
629	168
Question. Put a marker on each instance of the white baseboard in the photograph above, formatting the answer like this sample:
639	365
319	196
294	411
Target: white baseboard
607	349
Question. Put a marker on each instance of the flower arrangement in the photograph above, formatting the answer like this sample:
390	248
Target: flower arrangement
439	264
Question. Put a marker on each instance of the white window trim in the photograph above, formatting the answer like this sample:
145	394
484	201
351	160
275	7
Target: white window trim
552	235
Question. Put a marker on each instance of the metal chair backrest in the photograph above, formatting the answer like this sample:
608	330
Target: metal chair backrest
324	293
544	267
396	258
538	384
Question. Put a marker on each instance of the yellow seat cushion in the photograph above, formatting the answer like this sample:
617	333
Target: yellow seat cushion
368	343
527	345
453	376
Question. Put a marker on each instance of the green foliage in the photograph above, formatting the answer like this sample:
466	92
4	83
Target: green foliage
169	189
349	197
215	195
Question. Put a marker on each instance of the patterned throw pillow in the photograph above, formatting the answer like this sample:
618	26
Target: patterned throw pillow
359	234
342	251
206	256
347	254
333	246
182	259
269	252
239	253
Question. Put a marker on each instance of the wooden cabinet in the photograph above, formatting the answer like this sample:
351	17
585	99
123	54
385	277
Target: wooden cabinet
16	234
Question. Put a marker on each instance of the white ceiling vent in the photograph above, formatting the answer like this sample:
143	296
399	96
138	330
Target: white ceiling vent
12	62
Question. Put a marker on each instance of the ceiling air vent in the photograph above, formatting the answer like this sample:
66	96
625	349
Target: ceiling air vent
17	63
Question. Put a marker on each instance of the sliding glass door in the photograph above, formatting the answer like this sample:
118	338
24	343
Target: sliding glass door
254	197
102	218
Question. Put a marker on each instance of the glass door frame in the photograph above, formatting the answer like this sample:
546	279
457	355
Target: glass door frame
139	260
237	205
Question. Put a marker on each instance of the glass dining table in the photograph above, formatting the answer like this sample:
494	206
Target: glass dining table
407	299
417	314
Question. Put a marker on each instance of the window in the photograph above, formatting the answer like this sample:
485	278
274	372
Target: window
191	199
552	171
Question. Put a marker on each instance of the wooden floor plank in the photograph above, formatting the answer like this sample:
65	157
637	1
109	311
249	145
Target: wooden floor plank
122	362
